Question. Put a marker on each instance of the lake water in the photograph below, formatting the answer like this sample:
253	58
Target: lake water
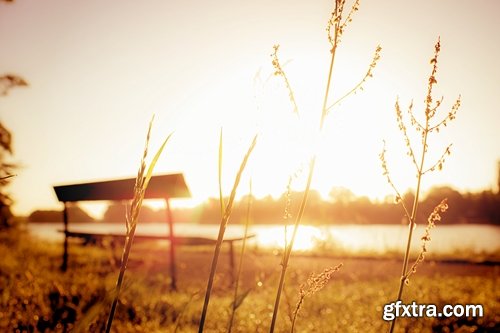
447	240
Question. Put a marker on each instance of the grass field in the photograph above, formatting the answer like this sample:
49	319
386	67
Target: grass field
37	297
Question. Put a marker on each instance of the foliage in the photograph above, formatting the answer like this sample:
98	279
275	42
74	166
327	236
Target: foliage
475	208
7	82
75	215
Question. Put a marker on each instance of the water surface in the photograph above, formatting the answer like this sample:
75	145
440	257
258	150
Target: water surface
446	240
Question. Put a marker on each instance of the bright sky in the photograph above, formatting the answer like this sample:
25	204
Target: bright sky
98	70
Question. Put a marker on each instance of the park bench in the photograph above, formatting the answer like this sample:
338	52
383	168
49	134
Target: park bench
164	187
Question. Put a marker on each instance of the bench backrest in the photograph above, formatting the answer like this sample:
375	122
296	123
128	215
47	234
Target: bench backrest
160	187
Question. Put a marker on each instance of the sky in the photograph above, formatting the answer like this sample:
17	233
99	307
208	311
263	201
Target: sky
99	70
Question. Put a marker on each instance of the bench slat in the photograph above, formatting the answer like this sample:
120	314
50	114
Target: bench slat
182	240
160	187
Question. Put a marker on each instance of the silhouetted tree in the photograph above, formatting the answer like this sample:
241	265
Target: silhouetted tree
342	207
341	195
458	207
116	213
7	82
75	214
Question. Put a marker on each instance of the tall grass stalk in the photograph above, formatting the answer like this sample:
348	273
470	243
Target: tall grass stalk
221	197
222	230
425	129
335	28
141	184
238	300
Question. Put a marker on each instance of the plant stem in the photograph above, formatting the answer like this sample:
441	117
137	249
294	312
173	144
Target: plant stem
221	198
288	248
240	264
220	237
126	252
324	110
141	184
296	313
413	218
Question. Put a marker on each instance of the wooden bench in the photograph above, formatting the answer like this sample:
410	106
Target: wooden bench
98	238
163	187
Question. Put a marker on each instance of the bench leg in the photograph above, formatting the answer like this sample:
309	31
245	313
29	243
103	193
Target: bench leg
64	265
170	222
231	262
173	273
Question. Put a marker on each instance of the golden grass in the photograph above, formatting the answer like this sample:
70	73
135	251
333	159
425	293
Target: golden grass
141	184
222	229
34	293
239	298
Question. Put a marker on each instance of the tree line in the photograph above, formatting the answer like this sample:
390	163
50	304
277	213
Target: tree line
342	207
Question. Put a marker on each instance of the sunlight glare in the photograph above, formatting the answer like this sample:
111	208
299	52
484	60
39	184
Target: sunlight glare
308	237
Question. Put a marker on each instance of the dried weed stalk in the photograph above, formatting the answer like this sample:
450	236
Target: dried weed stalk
314	284
335	29
433	218
418	160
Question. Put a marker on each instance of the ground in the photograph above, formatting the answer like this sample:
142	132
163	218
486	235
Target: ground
37	297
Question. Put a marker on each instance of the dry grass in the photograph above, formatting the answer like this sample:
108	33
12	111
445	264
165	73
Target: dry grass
222	228
141	184
35	295
239	298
